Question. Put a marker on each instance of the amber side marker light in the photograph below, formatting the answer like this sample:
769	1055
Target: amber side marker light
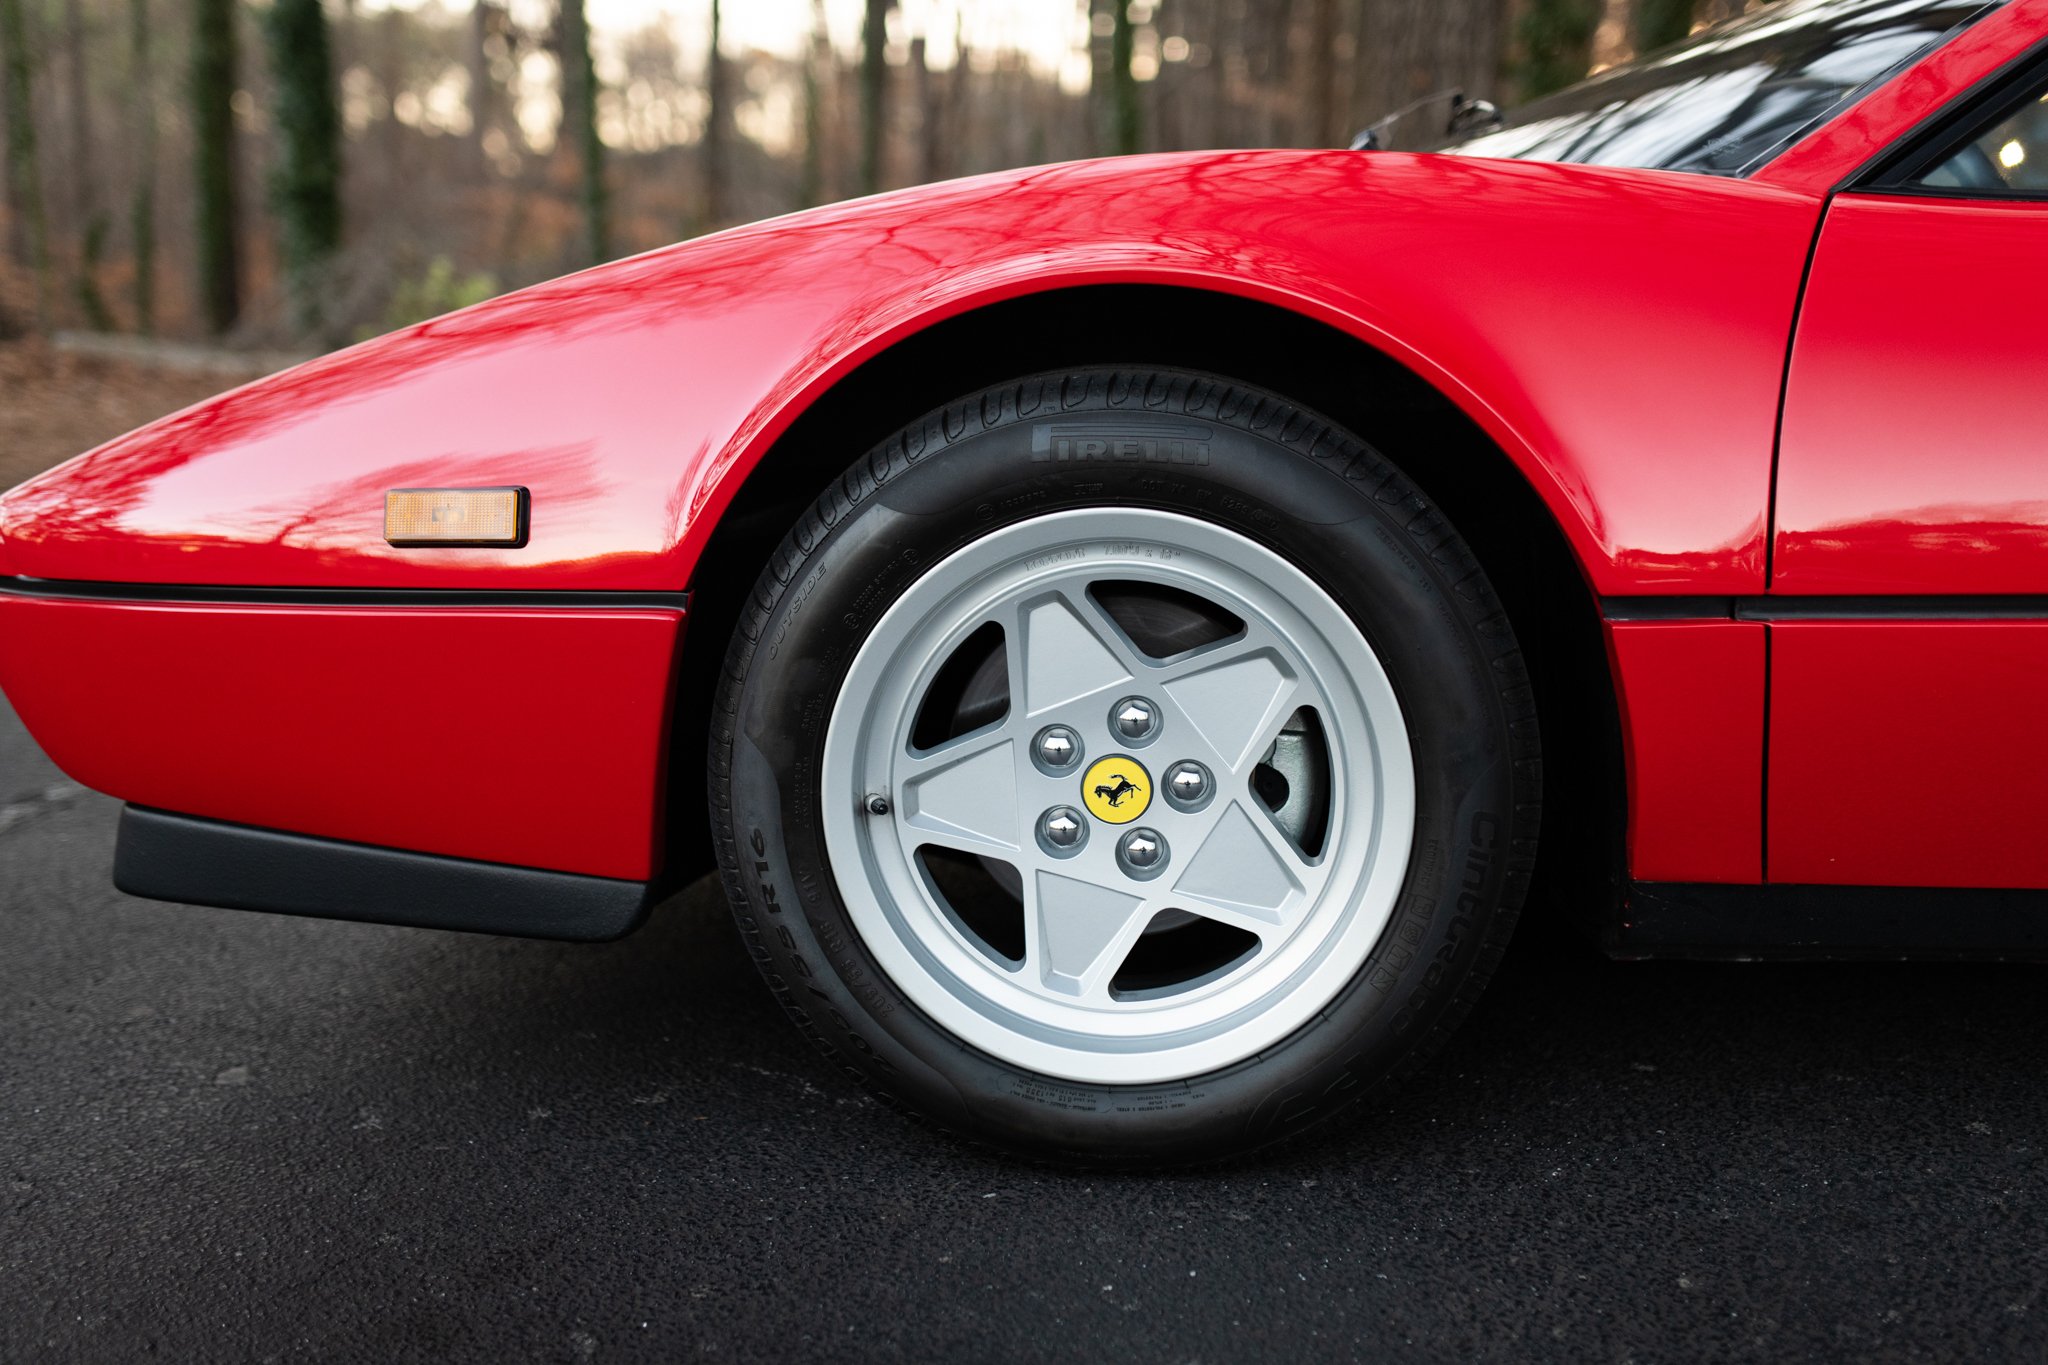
451	517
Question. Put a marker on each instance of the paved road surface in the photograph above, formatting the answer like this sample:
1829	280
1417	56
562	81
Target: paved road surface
227	1136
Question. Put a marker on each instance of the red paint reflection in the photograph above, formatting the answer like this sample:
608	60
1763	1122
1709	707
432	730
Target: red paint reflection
1544	299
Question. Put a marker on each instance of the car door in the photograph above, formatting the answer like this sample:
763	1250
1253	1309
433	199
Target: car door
1909	578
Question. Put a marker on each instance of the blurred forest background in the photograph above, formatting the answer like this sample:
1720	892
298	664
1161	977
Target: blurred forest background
298	173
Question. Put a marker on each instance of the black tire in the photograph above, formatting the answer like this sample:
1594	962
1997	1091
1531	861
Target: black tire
1275	473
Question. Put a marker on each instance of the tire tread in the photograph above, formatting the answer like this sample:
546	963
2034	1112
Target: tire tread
1212	399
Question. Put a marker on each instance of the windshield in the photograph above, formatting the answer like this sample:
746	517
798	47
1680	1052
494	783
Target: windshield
1725	99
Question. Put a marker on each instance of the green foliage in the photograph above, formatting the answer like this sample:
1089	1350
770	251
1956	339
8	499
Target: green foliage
436	291
1556	38
305	187
1660	23
212	89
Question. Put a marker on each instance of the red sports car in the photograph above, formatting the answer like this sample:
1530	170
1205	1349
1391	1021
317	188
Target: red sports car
1132	632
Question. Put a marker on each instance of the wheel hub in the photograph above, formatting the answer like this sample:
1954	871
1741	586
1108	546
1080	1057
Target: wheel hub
1116	789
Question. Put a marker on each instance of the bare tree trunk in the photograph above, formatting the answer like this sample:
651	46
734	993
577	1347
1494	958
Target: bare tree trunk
88	219
1100	77
1325	118
819	66
1468	50
383	55
78	117
927	114
1127	118
1258	36
480	102
715	116
579	129
1375	88
1286	115
306	181
1211	93
874	94
956	107
9	211
142	204
213	85
24	173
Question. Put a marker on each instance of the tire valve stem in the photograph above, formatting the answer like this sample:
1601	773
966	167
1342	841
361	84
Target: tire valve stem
878	804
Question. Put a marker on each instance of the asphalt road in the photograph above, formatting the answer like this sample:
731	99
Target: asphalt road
228	1136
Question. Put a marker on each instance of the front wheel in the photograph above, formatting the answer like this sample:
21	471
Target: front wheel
1126	766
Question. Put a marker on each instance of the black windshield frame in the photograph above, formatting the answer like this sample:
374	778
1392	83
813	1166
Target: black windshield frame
1767	60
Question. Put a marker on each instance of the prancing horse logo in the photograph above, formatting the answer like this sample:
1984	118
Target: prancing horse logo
1115	792
1114	789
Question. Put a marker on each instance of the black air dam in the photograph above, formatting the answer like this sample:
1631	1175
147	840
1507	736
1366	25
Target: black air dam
167	857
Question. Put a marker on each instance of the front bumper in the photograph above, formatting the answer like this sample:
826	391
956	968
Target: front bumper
530	736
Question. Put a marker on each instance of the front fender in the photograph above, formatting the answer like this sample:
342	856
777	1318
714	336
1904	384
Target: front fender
1619	333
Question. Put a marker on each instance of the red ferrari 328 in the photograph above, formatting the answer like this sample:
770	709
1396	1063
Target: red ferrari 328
1132	632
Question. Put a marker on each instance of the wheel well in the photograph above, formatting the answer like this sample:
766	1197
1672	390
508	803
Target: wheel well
1580	864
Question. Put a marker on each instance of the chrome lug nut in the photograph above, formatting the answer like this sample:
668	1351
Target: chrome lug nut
1056	750
1135	720
1142	853
1061	831
1188	785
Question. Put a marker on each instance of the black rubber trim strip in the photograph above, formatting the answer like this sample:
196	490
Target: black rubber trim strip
2018	607
182	858
578	599
2015	608
1668	608
1829	923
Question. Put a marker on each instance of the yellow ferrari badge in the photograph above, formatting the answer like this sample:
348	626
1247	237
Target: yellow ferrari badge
1116	789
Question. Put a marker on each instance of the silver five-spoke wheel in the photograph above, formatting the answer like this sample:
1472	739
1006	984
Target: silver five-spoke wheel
1118	795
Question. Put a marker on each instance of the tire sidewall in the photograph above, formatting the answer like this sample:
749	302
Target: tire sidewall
1262	468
